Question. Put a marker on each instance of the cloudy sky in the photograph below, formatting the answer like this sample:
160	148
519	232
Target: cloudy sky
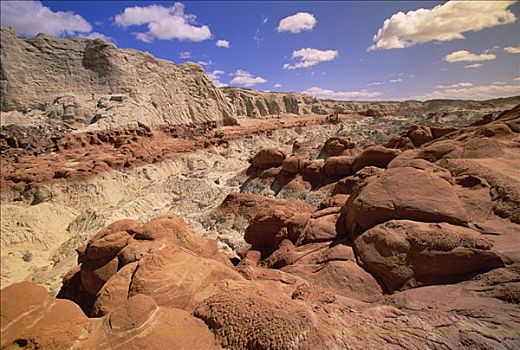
341	50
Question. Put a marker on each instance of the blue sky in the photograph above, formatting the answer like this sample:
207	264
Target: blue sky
439	49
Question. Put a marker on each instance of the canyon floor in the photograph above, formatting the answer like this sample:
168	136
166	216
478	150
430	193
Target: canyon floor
292	233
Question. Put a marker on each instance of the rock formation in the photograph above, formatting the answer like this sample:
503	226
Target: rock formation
91	82
257	104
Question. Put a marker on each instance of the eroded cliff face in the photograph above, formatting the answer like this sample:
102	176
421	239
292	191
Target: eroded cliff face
256	104
83	82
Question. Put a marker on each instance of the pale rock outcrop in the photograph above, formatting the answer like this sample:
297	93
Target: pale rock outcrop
91	81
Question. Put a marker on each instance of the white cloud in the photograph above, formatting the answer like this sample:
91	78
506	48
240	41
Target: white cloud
340	95
374	83
264	19
215	77
258	36
222	43
244	78
302	21
454	86
466	56
396	80
277	85
164	23
442	23
97	35
184	55
205	63
310	57
516	79
512	49
479	92
499	83
476	65
31	17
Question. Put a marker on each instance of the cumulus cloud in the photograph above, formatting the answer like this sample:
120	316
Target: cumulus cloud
475	92
454	86
277	85
516	79
396	80
376	83
164	23
215	77
302	21
512	49
31	17
222	43
444	22
244	78
184	55
310	57
476	65
466	56
340	95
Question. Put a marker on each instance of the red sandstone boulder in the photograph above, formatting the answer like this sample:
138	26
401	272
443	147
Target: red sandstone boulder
32	319
348	185
419	135
337	200
293	164
249	315
400	142
405	254
272	225
335	146
268	158
378	156
338	166
403	193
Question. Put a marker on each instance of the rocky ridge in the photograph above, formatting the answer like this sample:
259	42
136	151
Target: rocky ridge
259	104
81	82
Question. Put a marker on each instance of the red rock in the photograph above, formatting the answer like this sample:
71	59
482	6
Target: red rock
419	135
322	229
338	166
130	226
425	165
406	254
400	142
95	273
337	200
403	193
244	319
441	131
32	319
442	149
270	226
312	171
348	185
293	164
335	146
113	293
108	245
268	158
378	156
176	278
